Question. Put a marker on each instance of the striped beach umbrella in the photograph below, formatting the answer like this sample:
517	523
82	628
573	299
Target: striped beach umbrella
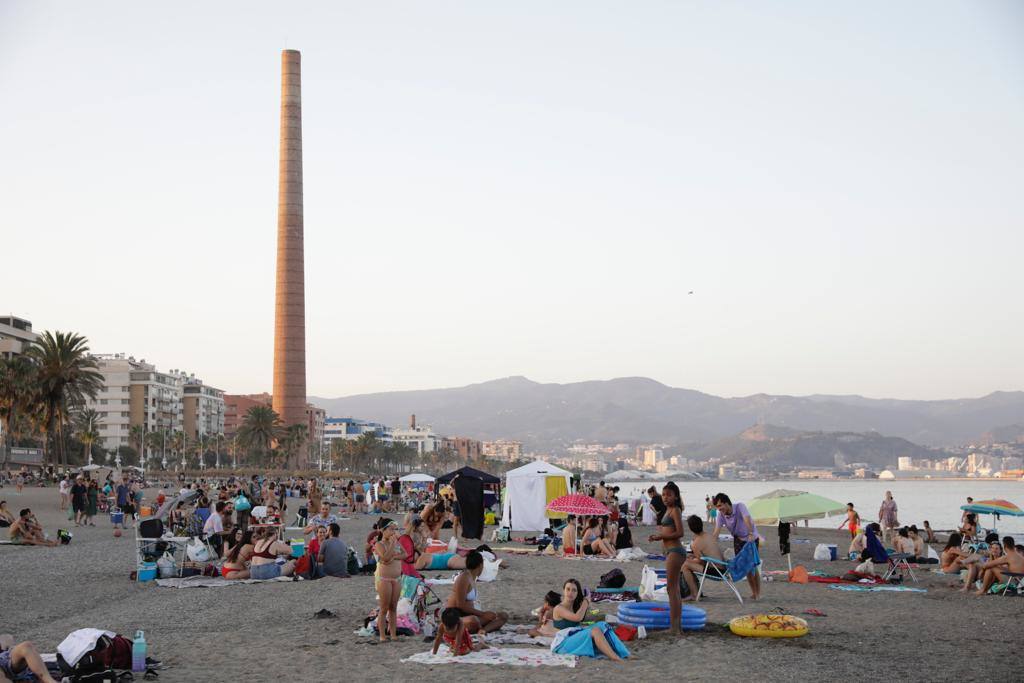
993	507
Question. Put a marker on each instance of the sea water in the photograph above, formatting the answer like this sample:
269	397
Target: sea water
935	500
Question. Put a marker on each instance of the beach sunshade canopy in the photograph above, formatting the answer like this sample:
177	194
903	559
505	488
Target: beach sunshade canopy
416	477
469	472
993	507
90	468
577	504
528	490
790	506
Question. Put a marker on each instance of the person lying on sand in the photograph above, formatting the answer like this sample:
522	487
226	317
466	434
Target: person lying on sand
21	662
1010	561
463	598
703	545
453	632
27	530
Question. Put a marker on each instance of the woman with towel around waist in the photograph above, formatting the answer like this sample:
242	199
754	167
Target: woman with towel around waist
573	638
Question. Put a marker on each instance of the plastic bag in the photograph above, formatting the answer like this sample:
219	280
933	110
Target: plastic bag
490	572
166	566
648	581
822	553
197	551
453	545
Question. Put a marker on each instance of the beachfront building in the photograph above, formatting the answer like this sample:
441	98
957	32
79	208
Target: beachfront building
15	336
350	429
202	409
503	449
235	408
463	447
421	438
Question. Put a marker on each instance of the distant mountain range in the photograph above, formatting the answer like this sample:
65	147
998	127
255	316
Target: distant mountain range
640	410
783	446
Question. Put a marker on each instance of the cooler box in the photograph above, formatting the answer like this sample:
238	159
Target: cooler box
435	546
147	571
298	547
116	516
833	552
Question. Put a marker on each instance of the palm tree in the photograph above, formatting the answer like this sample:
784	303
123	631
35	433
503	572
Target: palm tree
155	440
260	427
292	440
87	426
17	397
137	436
67	376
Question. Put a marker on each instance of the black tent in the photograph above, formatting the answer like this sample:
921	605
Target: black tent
469	472
469	491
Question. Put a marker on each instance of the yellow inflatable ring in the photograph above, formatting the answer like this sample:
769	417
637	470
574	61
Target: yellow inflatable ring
769	626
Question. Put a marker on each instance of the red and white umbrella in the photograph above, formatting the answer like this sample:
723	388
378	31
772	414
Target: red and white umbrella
577	504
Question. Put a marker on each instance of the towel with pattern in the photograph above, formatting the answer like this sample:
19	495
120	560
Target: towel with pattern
496	655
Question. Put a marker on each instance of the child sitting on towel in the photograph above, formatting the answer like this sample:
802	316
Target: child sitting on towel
453	632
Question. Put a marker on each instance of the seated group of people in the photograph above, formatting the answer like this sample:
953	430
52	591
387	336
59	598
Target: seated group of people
598	535
985	562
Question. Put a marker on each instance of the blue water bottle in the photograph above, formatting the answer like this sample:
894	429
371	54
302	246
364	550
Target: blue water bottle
139	652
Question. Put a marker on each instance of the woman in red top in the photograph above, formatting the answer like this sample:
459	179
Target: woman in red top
412	543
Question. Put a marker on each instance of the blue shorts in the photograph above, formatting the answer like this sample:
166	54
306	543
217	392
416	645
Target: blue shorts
5	667
271	570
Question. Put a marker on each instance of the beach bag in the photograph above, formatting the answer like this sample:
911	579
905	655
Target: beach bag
242	503
353	563
822	553
613	579
110	654
504	534
64	536
305	567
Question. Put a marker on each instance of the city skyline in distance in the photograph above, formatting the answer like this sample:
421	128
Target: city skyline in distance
845	211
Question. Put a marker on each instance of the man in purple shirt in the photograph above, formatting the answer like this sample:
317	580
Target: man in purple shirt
736	518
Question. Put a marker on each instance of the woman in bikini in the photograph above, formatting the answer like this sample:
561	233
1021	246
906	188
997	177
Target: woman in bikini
387	578
463	598
671	534
593	544
266	548
952	556
236	563
589	641
433	516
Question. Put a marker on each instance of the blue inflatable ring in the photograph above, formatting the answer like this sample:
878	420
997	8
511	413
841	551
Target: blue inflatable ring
655	615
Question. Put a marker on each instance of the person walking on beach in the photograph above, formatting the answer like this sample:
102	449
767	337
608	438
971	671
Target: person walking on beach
65	492
852	520
92	500
709	510
887	517
736	518
78	492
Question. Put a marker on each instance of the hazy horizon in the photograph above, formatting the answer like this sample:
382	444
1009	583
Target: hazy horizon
529	189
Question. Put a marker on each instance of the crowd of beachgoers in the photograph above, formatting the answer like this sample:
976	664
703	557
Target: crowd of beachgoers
245	522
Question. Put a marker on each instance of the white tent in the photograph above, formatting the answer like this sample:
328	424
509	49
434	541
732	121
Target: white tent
526	502
416	477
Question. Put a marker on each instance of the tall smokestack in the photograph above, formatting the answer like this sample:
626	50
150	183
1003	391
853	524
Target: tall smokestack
412	421
290	302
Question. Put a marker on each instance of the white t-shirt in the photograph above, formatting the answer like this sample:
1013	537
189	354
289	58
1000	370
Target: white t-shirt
64	486
214	524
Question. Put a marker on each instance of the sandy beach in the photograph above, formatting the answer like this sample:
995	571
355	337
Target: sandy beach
266	632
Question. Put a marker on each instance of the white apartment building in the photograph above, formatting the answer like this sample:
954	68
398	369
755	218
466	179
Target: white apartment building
202	409
652	456
421	438
15	335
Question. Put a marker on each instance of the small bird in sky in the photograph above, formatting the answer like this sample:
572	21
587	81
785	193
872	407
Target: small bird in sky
690	292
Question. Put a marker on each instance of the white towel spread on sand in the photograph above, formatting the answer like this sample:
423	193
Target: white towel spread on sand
211	582
495	655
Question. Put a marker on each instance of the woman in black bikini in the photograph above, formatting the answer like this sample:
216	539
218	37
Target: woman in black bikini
671	524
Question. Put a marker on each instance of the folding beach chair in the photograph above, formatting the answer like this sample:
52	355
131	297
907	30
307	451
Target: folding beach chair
898	562
1014	580
716	570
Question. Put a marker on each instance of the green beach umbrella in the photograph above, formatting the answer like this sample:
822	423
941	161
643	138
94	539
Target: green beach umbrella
783	505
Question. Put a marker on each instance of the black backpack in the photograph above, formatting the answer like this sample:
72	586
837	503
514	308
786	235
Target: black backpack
613	579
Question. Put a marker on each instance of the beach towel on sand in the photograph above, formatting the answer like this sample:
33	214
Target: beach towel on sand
876	589
211	582
495	655
515	635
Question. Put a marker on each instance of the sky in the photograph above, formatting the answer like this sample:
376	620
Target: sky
529	188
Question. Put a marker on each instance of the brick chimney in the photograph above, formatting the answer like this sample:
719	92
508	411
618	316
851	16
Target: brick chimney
412	421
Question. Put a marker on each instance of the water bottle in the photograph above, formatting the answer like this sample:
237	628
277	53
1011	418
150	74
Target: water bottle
139	653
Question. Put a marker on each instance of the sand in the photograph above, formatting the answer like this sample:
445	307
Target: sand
265	632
